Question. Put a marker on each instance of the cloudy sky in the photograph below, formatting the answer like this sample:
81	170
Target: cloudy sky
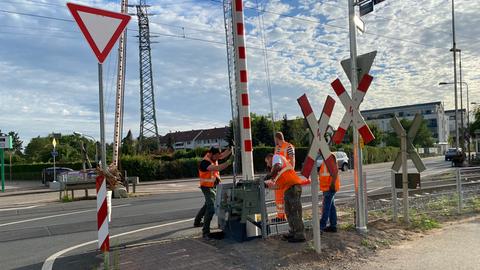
48	75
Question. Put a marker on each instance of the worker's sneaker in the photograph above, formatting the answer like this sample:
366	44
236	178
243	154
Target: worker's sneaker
206	236
197	225
296	240
330	229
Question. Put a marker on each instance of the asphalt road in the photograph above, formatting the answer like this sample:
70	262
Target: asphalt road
31	233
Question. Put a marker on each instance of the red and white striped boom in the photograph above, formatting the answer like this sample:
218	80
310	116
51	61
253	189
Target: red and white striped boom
243	99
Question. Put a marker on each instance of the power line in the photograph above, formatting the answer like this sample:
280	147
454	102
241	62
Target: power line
338	27
36	16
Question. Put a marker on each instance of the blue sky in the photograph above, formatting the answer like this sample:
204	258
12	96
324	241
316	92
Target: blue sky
48	75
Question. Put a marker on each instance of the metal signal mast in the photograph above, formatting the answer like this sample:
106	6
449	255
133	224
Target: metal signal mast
119	102
227	12
148	119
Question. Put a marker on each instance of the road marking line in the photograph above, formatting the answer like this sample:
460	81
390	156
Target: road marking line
54	216
48	264
20	208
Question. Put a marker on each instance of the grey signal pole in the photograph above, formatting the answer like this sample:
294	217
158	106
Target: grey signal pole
361	219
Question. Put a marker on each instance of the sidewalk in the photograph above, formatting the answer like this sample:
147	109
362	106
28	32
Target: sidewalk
456	246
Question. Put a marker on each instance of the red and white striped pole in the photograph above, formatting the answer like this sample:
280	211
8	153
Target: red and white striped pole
102	214
241	80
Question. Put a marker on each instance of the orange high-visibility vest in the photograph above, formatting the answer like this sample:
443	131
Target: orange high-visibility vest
287	176
325	179
208	178
282	150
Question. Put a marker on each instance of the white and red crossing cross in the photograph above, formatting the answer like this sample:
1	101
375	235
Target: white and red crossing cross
352	113
319	142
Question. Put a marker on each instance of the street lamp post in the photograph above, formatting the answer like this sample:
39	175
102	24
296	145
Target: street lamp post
468	115
94	140
454	51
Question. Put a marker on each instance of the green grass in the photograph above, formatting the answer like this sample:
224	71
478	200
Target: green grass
476	204
368	244
347	226
423	222
67	198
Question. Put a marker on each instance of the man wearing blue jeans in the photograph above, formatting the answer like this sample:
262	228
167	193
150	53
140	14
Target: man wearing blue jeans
329	187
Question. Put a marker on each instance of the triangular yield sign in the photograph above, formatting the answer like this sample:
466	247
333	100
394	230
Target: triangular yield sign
101	28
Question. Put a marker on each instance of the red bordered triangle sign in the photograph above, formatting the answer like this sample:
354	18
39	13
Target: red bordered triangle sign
101	28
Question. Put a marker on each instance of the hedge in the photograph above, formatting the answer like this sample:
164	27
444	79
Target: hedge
34	171
186	166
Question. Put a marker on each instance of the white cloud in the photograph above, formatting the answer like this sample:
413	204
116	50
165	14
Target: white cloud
48	76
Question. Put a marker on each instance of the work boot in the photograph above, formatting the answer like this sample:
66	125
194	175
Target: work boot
296	240
331	229
207	237
287	236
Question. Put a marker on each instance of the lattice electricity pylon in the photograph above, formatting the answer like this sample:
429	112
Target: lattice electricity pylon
148	119
227	14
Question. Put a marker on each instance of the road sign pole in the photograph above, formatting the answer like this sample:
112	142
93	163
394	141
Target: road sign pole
2	156
357	158
405	177
315	216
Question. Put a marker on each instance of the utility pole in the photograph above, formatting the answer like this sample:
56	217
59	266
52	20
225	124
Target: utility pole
148	118
361	219
454	49
119	101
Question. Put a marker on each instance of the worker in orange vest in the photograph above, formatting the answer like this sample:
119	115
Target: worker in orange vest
287	150
329	187
209	174
282	176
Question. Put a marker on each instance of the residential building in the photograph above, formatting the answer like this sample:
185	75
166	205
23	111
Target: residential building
451	122
179	140
432	112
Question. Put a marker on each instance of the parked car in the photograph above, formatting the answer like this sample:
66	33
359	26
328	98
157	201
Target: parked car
342	160
47	174
451	153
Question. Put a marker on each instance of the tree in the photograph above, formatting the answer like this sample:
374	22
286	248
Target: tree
128	144
286	129
422	139
262	133
378	133
17	143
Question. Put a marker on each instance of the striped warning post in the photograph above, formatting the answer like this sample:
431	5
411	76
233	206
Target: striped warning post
352	113
241	78
319	144
102	213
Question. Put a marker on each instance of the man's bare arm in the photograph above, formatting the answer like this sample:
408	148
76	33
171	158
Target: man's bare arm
225	153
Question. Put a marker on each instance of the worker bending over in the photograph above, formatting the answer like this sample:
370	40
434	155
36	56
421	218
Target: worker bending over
287	150
209	174
329	187
282	176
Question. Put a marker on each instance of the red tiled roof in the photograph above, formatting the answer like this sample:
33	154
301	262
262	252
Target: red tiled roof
185	136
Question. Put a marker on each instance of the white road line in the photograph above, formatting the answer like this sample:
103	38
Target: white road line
21	208
48	264
54	216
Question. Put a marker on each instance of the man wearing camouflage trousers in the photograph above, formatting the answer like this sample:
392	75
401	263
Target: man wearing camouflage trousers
283	176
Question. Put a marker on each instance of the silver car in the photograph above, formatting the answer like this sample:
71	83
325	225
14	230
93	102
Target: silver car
342	160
